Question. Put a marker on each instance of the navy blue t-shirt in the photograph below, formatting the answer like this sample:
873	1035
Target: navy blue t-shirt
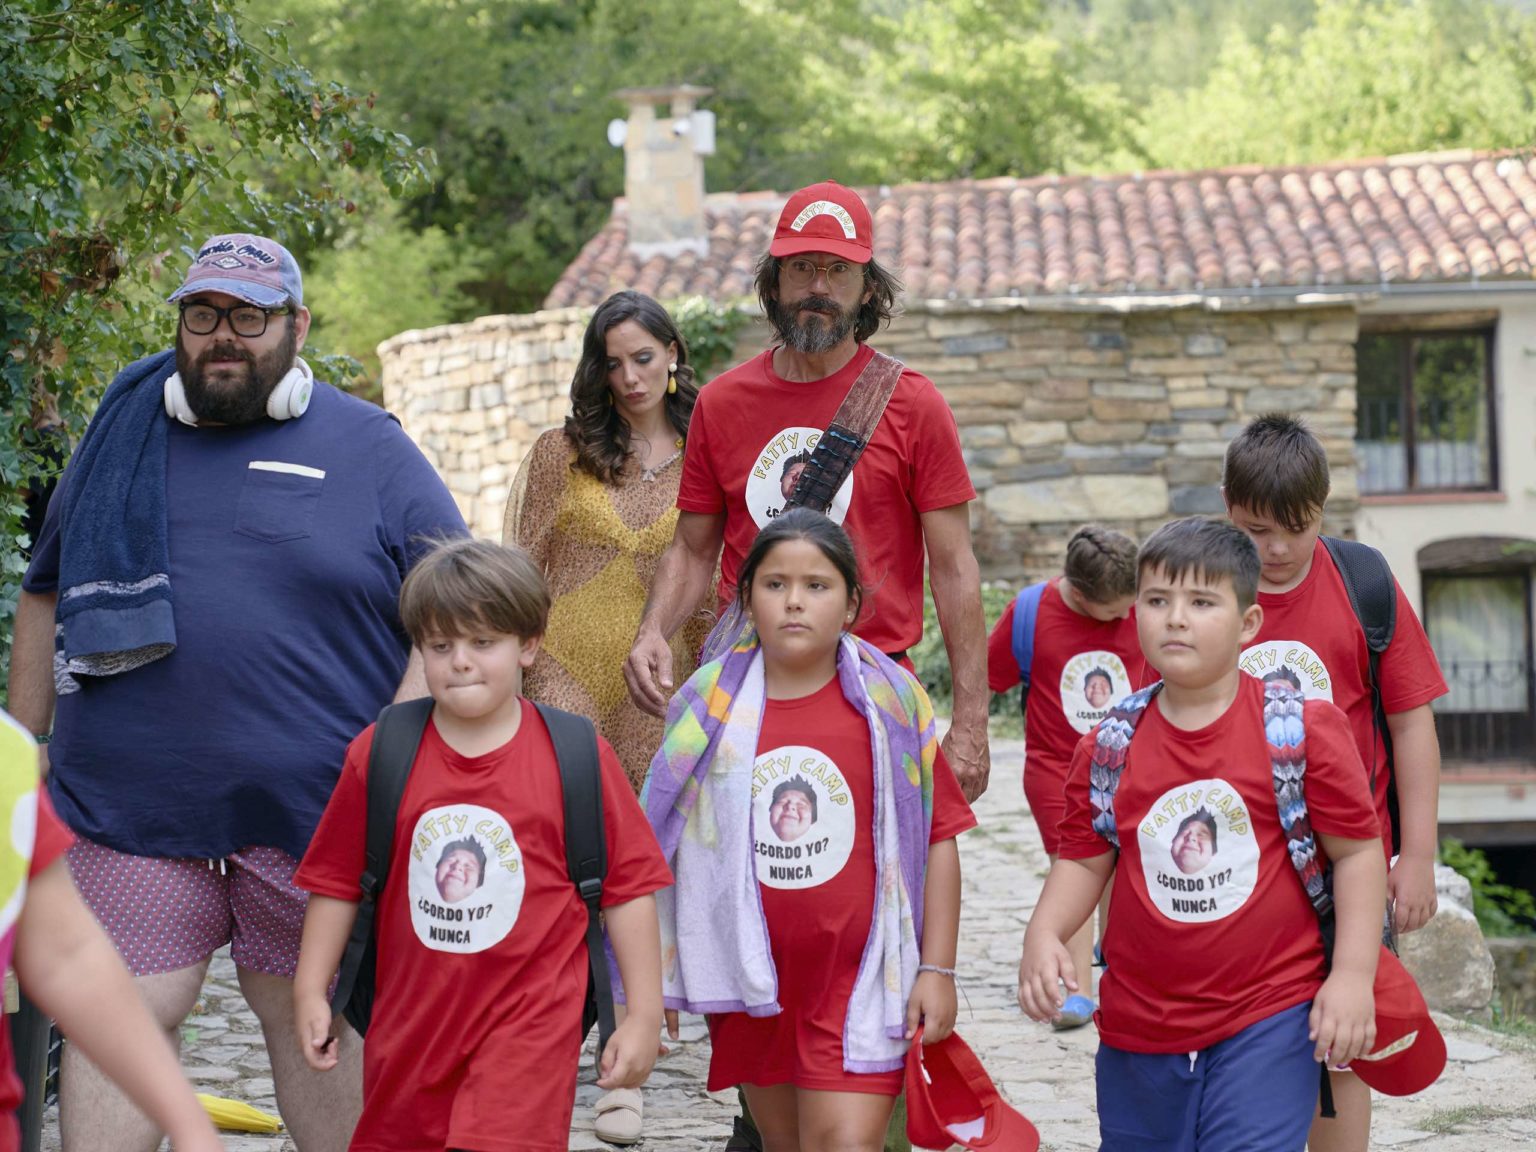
288	544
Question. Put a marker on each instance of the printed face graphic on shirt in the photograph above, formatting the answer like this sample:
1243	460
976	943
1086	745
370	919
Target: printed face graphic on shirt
1195	842
465	879
1091	682
802	818
460	869
1198	852
778	466
793	810
1290	661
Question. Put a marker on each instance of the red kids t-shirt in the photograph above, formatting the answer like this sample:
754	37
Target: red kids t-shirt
751	428
1310	637
813	826
1081	666
482	958
51	841
1204	940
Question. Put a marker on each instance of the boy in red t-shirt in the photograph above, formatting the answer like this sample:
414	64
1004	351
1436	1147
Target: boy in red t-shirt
69	968
1216	1002
1085	657
1275	483
482	958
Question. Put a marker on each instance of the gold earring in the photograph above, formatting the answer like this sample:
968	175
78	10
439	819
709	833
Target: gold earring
671	378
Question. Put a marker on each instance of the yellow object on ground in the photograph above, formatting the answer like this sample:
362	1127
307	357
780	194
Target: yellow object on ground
235	1116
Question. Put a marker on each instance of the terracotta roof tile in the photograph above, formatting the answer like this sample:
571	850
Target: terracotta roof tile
1421	219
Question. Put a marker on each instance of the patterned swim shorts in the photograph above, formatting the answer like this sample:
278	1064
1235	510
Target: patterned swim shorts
167	914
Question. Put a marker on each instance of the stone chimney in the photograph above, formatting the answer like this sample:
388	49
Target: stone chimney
664	168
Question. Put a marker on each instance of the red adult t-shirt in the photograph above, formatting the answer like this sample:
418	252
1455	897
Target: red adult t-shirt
1311	636
1080	668
816	875
1198	950
481	975
750	425
52	841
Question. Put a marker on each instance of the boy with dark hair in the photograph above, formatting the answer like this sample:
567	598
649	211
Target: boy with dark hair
1216	1001
502	961
1275	484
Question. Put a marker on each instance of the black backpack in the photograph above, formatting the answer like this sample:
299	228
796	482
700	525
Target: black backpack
396	740
1373	595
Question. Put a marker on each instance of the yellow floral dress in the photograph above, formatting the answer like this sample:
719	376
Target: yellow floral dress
597	545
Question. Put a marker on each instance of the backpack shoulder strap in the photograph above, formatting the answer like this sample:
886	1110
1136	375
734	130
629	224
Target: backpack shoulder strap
1372	591
1026	609
1111	747
841	445
1285	734
1373	595
586	842
396	739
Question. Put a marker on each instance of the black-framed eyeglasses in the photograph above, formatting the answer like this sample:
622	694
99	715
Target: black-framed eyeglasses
244	319
798	272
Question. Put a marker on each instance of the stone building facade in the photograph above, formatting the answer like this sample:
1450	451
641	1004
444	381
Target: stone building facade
1065	416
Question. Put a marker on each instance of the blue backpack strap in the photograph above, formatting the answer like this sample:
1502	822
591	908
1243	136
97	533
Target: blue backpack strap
1111	746
1026	609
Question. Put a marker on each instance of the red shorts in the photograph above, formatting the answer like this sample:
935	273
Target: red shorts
1047	798
168	914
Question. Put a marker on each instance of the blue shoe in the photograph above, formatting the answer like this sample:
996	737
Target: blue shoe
1077	1011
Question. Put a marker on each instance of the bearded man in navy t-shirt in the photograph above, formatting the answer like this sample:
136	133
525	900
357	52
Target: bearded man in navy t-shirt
208	619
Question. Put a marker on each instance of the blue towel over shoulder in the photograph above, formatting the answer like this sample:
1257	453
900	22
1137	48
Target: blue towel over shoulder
114	561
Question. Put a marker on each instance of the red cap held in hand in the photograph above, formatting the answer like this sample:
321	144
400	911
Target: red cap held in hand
1410	1052
952	1100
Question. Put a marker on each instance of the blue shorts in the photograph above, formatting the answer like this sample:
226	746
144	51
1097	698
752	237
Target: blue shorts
1253	1092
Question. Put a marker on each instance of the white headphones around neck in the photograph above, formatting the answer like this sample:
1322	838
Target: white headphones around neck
289	399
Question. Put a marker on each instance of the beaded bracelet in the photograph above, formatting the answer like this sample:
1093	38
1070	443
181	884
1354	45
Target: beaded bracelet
934	968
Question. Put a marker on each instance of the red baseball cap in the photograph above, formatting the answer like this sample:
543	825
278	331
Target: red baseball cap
1410	1052
952	1100
825	217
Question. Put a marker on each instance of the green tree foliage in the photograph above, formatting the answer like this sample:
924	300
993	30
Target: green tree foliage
129	129
1145	46
381	279
981	88
1367	78
1501	909
514	97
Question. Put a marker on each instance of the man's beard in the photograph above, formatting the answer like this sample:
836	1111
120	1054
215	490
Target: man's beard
227	399
814	325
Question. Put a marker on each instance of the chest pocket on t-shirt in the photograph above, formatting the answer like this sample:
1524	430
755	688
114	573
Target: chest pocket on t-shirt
278	500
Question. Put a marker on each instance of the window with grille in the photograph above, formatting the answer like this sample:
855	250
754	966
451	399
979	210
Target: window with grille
1424	411
1480	628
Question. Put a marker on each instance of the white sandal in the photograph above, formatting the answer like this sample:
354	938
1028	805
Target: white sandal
619	1116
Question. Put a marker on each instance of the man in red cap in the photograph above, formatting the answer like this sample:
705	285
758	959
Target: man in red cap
825	295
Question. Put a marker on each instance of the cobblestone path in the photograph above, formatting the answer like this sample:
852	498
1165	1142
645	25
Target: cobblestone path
1485	1102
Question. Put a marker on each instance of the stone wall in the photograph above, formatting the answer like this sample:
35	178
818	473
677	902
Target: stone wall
1065	416
475	396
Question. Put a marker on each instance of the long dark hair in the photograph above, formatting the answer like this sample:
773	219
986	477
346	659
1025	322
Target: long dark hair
599	433
883	285
803	524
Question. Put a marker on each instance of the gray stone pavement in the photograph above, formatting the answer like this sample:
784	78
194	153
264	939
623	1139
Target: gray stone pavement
1485	1102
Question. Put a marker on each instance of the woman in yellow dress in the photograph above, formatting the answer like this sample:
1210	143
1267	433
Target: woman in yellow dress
595	503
